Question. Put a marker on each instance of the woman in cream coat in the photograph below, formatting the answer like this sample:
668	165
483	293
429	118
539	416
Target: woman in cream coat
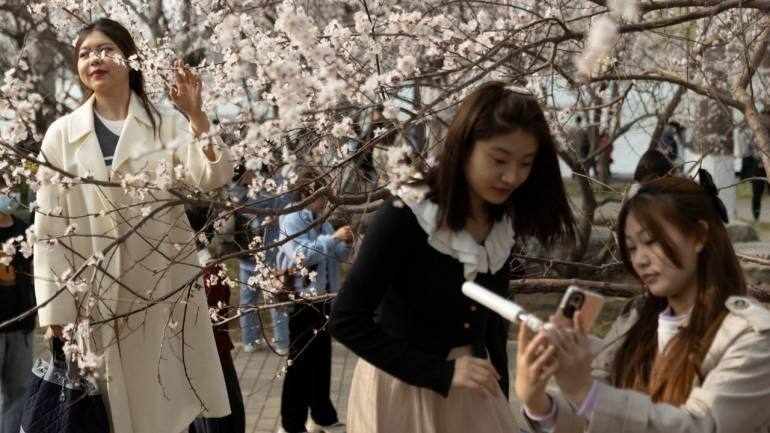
148	317
692	355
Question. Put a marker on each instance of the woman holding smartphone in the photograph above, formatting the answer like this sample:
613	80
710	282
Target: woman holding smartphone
692	355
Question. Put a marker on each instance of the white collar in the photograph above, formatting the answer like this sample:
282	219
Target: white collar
489	257
81	121
668	314
669	325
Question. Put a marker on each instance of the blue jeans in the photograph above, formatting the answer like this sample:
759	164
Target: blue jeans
280	319
251	328
15	365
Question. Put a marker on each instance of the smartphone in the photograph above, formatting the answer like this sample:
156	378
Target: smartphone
576	299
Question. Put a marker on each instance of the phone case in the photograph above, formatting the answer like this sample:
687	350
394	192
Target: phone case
576	299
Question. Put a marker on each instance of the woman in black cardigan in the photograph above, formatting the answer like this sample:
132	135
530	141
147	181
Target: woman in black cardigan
432	360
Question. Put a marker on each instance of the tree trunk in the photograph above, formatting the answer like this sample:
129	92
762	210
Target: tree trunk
42	56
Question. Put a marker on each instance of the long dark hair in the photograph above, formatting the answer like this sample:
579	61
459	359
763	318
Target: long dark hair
668	377
652	165
539	206
122	38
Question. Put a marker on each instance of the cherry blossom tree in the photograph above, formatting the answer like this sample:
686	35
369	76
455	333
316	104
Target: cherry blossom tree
333	84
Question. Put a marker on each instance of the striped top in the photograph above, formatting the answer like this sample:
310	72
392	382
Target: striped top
108	133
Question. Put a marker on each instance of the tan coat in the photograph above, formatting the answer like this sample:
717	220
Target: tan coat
164	363
733	398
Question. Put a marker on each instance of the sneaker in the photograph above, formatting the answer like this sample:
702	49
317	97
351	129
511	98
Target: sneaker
251	347
282	352
337	427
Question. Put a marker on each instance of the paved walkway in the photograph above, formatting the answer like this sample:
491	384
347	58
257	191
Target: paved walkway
261	382
260	377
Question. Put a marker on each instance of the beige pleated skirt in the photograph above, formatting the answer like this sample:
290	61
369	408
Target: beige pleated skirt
380	403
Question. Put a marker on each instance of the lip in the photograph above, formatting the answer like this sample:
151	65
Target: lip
98	73
502	191
650	278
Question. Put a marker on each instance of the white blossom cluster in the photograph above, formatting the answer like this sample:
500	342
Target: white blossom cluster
599	44
18	103
79	349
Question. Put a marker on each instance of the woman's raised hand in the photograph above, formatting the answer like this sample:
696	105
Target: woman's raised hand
185	93
572	348
536	362
186	90
477	375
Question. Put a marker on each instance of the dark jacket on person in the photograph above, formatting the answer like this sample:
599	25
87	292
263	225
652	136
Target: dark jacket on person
402	310
17	293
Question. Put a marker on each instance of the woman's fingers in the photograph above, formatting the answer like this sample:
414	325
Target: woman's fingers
477	375
179	73
184	75
192	78
535	346
179	81
549	369
559	337
474	383
189	75
523	339
581	337
580	327
544	359
486	381
484	373
486	366
187	82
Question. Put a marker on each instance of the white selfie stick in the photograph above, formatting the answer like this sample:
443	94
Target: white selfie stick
507	309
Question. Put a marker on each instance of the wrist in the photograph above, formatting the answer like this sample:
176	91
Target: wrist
199	122
539	405
578	394
197	116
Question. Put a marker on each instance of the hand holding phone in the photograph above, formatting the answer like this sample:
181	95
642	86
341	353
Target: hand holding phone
576	299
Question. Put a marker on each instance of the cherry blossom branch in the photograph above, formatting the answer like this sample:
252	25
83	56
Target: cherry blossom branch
219	260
